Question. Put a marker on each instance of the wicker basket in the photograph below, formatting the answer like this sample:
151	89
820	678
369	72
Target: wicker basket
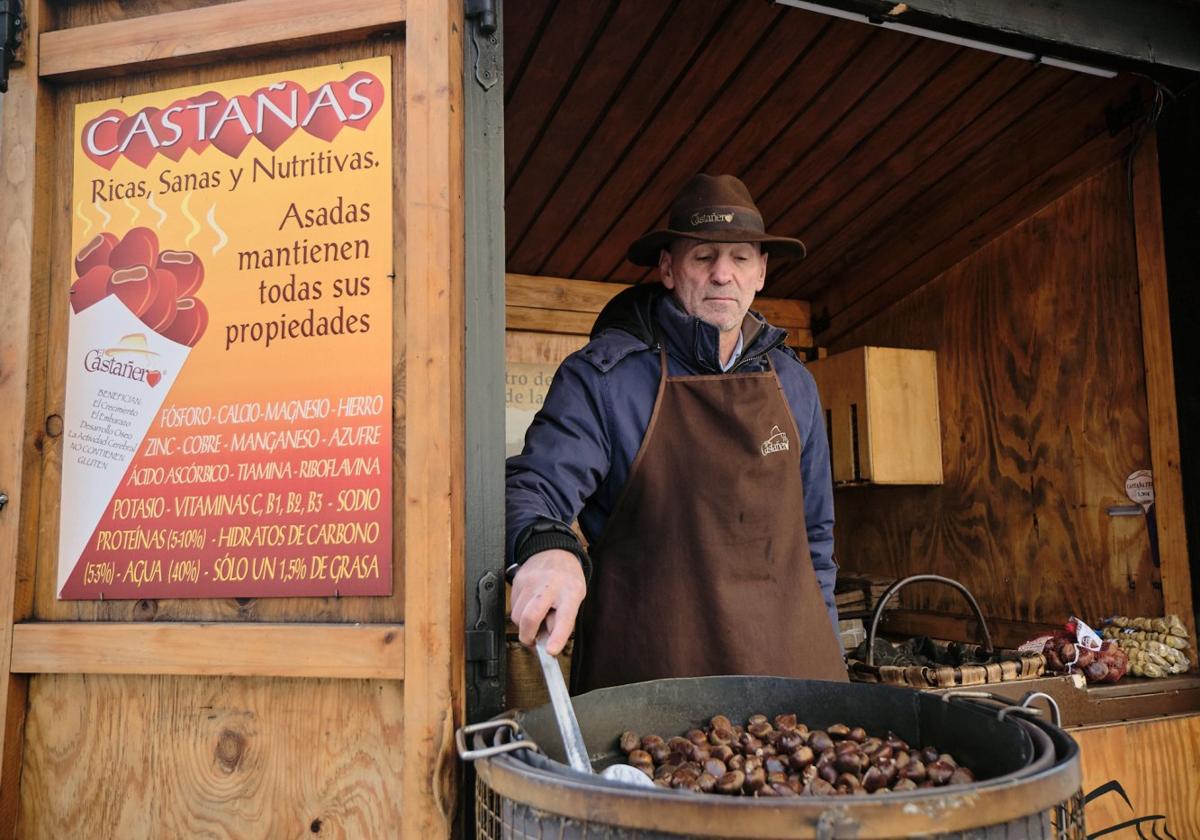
994	666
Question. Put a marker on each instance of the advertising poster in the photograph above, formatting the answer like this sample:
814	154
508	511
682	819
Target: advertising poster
228	418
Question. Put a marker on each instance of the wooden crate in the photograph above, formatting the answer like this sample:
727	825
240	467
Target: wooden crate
881	413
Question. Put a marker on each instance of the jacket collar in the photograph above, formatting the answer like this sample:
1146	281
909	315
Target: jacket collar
699	343
648	309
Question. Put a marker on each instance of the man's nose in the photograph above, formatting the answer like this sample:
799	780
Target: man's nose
723	269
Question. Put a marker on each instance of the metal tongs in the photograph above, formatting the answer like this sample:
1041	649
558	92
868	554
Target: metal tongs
568	725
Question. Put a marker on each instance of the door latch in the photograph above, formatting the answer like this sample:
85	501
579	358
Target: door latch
12	23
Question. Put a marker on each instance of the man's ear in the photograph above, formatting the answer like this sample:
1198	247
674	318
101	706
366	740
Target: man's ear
762	273
665	268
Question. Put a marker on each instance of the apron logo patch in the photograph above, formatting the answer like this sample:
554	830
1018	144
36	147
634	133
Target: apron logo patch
777	442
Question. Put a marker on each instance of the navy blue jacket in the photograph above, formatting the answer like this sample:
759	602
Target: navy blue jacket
580	446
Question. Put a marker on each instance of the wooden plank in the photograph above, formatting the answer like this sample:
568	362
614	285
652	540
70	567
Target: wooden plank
645	92
1160	385
523	290
1043	413
977	229
88	12
569	125
708	73
434	435
214	757
557	57
704	125
926	65
539	348
1009	92
45	426
1157	765
698	119
964	84
1015	165
548	320
24	246
998	165
207	34
342	651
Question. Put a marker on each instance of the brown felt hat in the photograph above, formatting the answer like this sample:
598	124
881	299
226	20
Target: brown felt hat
713	208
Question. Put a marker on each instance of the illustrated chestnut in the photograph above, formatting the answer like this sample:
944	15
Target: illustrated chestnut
715	767
191	319
629	741
857	734
139	246
161	311
904	784
90	288
707	782
838	731
783	789
94	253
786	722
186	267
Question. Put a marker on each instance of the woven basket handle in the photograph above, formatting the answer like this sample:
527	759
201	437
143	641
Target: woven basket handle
898	585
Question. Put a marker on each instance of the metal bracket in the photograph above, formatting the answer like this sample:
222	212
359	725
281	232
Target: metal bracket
12	23
486	40
3	500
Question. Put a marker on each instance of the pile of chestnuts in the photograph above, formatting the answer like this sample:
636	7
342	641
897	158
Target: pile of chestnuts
782	757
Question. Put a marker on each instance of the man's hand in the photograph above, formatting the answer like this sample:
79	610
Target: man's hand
548	588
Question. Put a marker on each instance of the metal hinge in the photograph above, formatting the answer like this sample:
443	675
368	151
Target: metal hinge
12	23
483	642
486	40
481	647
484	11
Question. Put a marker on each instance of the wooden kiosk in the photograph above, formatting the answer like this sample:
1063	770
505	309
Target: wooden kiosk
997	209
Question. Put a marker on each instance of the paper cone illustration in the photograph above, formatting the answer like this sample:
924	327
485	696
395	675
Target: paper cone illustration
122	361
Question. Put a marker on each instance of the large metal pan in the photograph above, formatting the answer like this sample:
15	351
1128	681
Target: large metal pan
1024	769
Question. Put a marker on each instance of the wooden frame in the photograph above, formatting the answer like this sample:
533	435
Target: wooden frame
433	363
1160	384
342	651
434	456
24	255
205	34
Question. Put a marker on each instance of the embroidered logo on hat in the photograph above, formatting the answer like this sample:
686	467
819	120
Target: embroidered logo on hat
777	442
707	218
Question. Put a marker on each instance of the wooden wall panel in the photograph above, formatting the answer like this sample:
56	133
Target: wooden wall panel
51	320
1043	406
155	757
1157	765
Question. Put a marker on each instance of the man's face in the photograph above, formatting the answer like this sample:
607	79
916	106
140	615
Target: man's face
714	281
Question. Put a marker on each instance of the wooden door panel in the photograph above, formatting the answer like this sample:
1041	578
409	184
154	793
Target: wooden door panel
154	757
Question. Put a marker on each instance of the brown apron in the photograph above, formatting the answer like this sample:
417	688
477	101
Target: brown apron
704	566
